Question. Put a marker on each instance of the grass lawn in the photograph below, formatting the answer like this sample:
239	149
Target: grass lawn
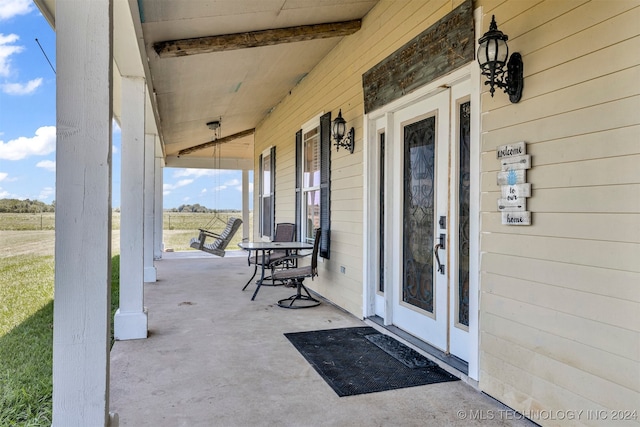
26	335
26	330
26	304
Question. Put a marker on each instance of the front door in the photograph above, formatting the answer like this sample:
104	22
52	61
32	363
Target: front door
424	232
421	132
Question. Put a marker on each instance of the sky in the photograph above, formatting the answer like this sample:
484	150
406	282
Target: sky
28	123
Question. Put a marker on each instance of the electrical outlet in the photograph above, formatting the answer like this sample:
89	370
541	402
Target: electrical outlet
343	269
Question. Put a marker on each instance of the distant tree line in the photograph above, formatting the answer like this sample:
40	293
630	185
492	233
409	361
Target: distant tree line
25	206
198	208
36	206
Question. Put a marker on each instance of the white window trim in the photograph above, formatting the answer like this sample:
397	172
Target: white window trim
313	123
263	155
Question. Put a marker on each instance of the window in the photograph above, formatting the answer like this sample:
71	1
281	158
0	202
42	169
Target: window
313	147
267	192
310	183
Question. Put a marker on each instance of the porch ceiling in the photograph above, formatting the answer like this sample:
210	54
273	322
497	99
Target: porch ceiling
240	86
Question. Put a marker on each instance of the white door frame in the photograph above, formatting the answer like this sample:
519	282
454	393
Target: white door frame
371	197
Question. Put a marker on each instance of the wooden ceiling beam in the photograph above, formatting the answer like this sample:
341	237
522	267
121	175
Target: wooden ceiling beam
216	142
184	47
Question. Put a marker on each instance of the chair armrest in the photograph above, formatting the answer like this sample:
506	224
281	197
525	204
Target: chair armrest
291	258
209	233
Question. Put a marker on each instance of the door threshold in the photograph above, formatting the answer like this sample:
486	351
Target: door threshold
449	359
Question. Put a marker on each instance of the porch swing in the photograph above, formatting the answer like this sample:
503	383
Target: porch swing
218	242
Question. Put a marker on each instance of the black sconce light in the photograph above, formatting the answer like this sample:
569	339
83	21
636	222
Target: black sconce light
338	128
492	57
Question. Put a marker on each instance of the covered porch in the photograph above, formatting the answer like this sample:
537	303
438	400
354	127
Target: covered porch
222	85
214	357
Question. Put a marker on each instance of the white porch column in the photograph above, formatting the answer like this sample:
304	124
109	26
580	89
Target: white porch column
83	214
158	221
131	318
149	206
245	205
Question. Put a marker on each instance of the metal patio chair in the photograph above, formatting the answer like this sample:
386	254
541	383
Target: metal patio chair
297	276
285	232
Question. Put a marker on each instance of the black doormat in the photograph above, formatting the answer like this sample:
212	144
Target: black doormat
362	360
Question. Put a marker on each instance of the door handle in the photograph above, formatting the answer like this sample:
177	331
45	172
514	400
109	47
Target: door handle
435	252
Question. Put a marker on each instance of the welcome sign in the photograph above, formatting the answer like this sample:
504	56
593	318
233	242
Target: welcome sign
514	162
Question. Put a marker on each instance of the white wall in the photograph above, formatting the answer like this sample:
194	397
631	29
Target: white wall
560	302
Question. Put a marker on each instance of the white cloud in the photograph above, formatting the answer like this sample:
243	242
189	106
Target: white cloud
239	187
20	88
4	176
114	149
195	172
181	183
4	194
11	8
7	48
235	183
47	165
43	143
46	192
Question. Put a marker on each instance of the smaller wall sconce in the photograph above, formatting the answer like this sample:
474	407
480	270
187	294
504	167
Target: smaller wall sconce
338	128
492	57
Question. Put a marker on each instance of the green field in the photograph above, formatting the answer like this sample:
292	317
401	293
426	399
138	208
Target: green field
179	228
27	245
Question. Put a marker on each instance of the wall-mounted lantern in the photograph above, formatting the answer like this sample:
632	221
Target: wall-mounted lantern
493	53
338	128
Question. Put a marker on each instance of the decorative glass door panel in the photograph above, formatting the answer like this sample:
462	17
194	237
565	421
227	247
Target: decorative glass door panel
382	219
464	181
461	224
419	168
381	194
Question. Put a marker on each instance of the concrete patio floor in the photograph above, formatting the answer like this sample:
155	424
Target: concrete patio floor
216	358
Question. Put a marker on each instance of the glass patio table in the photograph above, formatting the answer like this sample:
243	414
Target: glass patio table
265	247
